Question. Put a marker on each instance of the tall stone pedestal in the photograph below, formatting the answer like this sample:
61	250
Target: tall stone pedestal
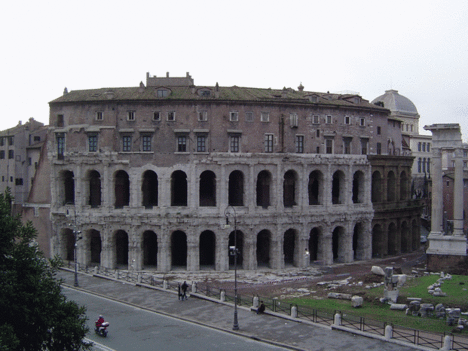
446	245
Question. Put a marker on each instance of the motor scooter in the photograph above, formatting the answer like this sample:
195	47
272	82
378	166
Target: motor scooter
102	330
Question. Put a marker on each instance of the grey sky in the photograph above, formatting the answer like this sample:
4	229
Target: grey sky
419	48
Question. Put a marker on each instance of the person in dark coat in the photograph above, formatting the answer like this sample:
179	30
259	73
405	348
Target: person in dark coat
184	290
261	309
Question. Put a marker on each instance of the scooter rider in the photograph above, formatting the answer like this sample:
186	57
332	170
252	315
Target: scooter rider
99	322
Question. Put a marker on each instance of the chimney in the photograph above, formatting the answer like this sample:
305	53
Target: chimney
167	74
65	91
300	87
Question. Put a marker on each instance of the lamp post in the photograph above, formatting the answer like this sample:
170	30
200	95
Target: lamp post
233	251
76	238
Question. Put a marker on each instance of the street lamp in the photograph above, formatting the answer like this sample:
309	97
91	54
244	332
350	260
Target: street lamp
233	251
76	238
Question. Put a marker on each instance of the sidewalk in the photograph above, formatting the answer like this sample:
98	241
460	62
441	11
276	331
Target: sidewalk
280	331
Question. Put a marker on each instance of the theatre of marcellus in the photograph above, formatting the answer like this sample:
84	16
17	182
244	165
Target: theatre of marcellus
151	175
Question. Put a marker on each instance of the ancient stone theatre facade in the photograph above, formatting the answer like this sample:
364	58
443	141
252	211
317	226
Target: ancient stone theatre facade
149	174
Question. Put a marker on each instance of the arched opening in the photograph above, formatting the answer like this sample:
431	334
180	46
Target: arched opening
69	188
207	189
289	189
358	242
314	244
416	235
358	187
376	187
94	179
391	186
236	188
149	189
95	246
240	249
338	242
263	189
289	247
403	186
207	249
405	238
338	188
315	182
68	252
179	249
121	247
263	248
178	189
122	189
392	239
150	249
377	241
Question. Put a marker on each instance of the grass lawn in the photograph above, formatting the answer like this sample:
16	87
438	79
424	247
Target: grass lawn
457	296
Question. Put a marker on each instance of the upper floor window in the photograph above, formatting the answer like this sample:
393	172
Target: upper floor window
315	119
268	142
362	122
201	143
130	115
37	138
126	143
299	144
329	119
156	116
429	149
146	142
233	116
364	143
92	142
347	145
424	147
249	116
293	120
203	116
162	93
234	143
265	116
204	92
2	141
419	146
379	148
11	154
379	130
60	145
171	116
11	140
182	143
2	154
60	121
329	146
347	120
99	115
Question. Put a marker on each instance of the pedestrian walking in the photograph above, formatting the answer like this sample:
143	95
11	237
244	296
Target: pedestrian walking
184	290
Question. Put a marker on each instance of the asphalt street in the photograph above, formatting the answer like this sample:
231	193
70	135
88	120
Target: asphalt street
271	329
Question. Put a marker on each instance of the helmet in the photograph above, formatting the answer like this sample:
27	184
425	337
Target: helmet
100	316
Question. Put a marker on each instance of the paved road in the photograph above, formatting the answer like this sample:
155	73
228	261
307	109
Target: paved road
132	328
274	330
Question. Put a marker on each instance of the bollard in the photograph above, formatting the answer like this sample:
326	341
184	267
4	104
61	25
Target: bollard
95	269
255	302
116	275
164	284
447	343
294	311
337	319
194	287
388	332
222	296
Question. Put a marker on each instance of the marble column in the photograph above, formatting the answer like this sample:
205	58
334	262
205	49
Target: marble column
437	199
458	194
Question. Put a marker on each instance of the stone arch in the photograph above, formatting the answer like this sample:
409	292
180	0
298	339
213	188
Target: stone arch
179	188
150	249
68	186
179	249
403	186
315	244
377	241
121	248
207	249
405	238
358	241
315	188
95	246
392	247
338	188
290	190
122	189
94	188
339	244
391	186
290	247
236	188
358	187
263	248
68	244
376	187
149	189
207	196
240	249
264	189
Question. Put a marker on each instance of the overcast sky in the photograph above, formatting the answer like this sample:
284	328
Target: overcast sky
419	48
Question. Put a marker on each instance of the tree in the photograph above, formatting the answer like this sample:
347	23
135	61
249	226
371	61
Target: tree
35	315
